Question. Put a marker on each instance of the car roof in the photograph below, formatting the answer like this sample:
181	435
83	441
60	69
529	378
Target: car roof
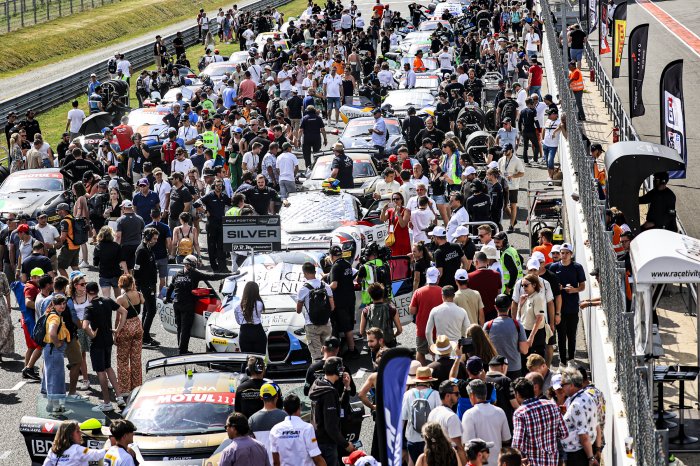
353	155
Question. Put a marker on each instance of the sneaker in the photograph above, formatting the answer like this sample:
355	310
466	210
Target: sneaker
149	344
58	409
76	397
511	229
120	402
84	385
83	265
103	407
29	373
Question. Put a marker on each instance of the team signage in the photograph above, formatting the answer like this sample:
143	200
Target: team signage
604	44
673	113
592	16
619	32
637	50
260	233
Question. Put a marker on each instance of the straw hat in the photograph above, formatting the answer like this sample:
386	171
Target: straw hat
424	375
412	370
443	346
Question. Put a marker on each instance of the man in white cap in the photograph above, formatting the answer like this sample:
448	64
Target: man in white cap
448	318
572	279
555	254
448	256
553	311
468	299
462	238
424	299
419	399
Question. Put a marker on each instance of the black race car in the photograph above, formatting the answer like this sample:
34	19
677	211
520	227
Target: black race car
33	191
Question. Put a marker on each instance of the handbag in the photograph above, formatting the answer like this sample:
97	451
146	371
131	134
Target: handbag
391	237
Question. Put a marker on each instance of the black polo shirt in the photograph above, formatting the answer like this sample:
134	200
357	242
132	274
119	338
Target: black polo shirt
260	199
216	205
312	123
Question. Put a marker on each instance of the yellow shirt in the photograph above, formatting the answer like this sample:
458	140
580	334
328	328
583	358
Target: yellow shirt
63	333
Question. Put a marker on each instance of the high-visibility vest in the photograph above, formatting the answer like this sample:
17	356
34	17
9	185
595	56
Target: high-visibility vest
576	79
233	212
510	251
210	140
617	244
369	278
418	65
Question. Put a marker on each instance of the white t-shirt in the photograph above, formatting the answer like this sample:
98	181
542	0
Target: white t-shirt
117	456
460	217
285	85
385	190
186	134
426	393
124	65
445	59
448	420
530	39
286	162
549	127
75	455
305	85
49	233
508	167
182	167
76	117
412	203
295	442
487	422
303	295
345	21
520	98
333	85
251	160
420	221
162	189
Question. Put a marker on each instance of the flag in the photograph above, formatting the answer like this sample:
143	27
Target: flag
583	6
391	385
592	16
619	32
673	114
637	51
603	44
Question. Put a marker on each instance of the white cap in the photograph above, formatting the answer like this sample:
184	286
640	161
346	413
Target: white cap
470	170
556	381
555	248
567	247
432	275
461	274
438	231
460	231
533	264
493	164
491	252
539	256
127	203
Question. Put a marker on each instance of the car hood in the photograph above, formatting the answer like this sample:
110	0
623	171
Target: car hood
27	202
280	313
365	142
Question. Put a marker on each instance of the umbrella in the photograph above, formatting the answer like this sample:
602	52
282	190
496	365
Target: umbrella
95	122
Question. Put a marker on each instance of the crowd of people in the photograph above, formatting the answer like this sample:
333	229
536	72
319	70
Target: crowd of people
487	321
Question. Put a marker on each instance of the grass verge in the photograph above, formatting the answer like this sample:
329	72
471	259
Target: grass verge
53	122
112	24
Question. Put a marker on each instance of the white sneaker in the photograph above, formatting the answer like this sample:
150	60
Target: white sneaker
120	402
84	265
76	397
103	407
84	385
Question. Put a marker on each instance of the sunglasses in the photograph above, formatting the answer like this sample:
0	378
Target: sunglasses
80	284
527	285
483	235
395	198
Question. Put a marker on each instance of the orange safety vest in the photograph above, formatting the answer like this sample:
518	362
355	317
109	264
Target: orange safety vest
418	65
576	80
617	245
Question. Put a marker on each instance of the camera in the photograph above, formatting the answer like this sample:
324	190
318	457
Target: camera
467	345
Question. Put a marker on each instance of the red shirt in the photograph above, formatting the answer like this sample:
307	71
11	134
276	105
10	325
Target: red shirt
425	299
536	75
31	291
169	151
488	283
545	249
379	9
246	90
123	134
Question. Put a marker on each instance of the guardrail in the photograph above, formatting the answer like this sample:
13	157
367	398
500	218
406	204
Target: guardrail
68	87
631	383
16	14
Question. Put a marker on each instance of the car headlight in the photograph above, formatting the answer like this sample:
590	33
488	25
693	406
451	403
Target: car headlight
300	332
222	332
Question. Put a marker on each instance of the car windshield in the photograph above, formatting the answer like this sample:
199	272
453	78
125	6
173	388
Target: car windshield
181	414
412	98
360	169
287	257
218	70
151	117
171	95
359	128
18	182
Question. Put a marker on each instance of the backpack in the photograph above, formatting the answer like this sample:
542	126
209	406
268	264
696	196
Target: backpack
420	410
379	315
510	108
185	246
40	332
382	274
319	308
112	65
489	324
81	231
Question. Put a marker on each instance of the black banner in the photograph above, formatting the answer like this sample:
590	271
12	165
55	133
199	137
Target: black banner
637	51
673	113
583	6
619	33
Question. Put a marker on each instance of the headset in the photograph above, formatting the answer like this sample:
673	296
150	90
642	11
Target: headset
149	233
256	365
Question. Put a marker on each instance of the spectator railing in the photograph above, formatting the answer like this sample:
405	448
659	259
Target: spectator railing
16	14
631	382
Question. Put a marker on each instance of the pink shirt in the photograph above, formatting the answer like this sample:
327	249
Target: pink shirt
247	89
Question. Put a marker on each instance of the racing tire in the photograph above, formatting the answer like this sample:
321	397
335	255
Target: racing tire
490	121
4	173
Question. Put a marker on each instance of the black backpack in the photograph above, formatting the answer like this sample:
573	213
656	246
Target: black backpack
39	332
319	308
81	231
510	109
112	65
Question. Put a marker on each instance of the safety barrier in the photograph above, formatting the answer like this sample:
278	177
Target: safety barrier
16	14
628	380
68	87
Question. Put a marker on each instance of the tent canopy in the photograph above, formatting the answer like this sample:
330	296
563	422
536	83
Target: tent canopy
662	256
627	165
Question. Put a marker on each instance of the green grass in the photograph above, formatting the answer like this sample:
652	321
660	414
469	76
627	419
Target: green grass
53	122
73	35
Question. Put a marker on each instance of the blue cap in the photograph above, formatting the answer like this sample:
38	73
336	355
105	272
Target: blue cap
75	273
105	129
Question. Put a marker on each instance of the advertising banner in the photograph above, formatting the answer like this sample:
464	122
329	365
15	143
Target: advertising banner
619	33
592	16
603	44
673	113
637	50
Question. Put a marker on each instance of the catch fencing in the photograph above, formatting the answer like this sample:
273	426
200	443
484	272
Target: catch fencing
631	381
16	14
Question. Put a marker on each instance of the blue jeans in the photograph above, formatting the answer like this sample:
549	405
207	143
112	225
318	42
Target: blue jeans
536	90
55	372
549	154
329	451
576	54
414	450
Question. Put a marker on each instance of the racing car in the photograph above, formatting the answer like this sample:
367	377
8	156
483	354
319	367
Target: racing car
364	171
180	416
33	191
356	135
148	122
398	102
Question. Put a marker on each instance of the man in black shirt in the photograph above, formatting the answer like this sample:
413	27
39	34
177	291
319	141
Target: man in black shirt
179	44
454	85
311	129
247	400
505	396
529	124
11	122
262	197
474	85
410	127
146	277
216	201
36	259
73	171
430	131
330	349
507	108
294	110
448	257
180	200
479	203
341	167
662	205
577	39
341	281
62	147
31	125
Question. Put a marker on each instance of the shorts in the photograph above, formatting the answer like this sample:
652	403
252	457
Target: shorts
162	265
101	357
73	354
84	341
27	337
344	319
333	102
68	258
129	255
576	54
108	282
422	345
296	124
513	196
440	199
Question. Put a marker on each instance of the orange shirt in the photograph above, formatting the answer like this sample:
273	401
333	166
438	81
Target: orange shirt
418	65
576	80
544	249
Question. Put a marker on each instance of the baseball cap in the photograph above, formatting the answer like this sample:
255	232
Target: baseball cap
470	170
461	275
567	247
24	228
268	391
498	360
533	264
36	272
555	248
198	143
112	169
376	110
475	365
127	203
493	164
476	445
353	457
439	232
491	252
460	231
42	214
75	273
507	146
596	146
143	182
507	120
332	343
432	275
295	90
556	381
106	129
335	251
539	256
62	206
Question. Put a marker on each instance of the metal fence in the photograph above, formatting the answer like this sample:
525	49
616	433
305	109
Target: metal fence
630	382
16	14
68	87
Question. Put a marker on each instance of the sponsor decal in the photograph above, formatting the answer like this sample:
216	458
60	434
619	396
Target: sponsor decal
48	427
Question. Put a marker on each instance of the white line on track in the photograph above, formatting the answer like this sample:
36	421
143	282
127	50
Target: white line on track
14	389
